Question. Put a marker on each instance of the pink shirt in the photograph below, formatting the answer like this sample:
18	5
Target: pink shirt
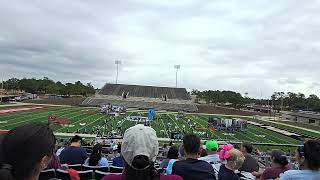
162	177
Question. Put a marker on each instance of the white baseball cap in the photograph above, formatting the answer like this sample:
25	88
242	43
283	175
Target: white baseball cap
139	140
115	147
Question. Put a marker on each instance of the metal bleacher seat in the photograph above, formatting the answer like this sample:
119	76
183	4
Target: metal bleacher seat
95	168
161	170
62	174
86	175
77	167
47	174
115	169
247	176
99	174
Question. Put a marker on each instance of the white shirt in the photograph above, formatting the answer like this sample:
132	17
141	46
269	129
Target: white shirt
210	158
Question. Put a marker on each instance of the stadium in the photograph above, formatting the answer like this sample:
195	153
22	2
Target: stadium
89	120
104	118
159	90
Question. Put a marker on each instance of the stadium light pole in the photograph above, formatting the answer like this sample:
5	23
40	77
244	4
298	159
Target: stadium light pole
1	89
117	62
177	67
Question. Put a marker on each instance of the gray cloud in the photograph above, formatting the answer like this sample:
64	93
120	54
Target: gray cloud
249	46
289	81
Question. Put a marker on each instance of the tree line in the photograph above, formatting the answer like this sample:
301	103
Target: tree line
48	86
295	101
278	100
217	96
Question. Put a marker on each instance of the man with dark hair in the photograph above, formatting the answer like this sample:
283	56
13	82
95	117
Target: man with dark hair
192	168
250	164
74	154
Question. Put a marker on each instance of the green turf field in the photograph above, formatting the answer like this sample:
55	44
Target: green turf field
84	120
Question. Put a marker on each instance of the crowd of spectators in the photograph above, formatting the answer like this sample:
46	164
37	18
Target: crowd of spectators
28	149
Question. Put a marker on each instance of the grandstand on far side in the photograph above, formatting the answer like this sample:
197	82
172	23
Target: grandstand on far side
143	97
145	91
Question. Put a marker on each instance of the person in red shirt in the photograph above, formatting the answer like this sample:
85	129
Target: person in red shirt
279	165
139	149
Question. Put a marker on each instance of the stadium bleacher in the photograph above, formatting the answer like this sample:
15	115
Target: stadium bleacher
145	91
141	104
97	172
143	97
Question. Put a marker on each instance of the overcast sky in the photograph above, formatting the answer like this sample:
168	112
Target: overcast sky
243	45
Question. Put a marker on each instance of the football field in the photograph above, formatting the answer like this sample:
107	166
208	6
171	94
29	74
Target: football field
89	120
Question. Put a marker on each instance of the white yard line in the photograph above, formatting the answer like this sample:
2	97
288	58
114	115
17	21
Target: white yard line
75	121
91	122
310	130
47	115
29	114
165	129
33	119
254	134
249	138
25	113
124	119
174	122
270	135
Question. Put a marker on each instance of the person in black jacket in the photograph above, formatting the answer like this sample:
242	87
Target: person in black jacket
250	164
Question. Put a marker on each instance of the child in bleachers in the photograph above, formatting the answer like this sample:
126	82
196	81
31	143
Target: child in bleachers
234	159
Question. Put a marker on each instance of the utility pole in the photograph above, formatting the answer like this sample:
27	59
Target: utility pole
117	62
177	67
1	89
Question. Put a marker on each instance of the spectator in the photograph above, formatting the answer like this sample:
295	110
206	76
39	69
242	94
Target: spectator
170	143
62	148
298	158
192	168
140	148
173	156
25	151
310	153
250	164
54	163
95	158
165	150
212	148
203	153
74	154
234	160
173	153
115	152
118	159
181	152
279	165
